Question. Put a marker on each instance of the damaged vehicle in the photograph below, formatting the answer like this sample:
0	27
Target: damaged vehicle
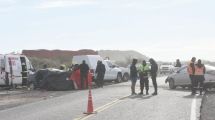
51	79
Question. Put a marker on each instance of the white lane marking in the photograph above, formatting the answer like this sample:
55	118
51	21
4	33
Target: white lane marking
193	109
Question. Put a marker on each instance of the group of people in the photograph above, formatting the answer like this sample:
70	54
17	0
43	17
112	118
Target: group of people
82	74
196	72
144	70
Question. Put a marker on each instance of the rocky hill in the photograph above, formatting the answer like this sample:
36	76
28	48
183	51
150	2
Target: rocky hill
57	53
122	58
54	58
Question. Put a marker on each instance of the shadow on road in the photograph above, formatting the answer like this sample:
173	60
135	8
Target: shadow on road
178	89
193	96
141	97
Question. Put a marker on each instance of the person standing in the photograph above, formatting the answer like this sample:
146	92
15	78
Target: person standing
153	72
133	75
199	75
143	74
100	71
84	69
178	63
191	72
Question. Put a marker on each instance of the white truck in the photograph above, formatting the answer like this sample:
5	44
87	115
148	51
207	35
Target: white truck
125	71
111	74
14	70
166	68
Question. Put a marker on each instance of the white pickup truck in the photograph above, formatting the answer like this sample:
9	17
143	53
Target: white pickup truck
111	74
125	71
166	68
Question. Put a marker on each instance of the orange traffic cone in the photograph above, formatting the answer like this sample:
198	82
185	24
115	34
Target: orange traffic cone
90	104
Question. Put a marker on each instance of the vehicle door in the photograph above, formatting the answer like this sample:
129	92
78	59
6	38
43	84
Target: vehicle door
13	67
2	70
108	75
182	77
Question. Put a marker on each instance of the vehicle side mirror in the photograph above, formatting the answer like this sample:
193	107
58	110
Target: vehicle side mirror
113	66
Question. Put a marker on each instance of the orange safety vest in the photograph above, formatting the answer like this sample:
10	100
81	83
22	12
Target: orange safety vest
199	70
190	69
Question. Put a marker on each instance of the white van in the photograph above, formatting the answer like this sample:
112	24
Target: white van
14	69
111	74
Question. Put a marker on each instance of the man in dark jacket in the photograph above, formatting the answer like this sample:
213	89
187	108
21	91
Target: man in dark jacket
153	72
133	75
84	69
100	71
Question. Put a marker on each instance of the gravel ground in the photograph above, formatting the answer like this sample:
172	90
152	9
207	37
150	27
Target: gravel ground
13	98
208	106
17	97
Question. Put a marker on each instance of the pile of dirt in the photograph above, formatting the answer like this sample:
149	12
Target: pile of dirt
57	53
10	99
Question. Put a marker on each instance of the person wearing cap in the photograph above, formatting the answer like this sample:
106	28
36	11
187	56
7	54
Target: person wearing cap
133	76
143	74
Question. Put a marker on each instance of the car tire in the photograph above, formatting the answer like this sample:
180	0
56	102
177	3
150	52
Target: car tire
118	78
125	77
172	84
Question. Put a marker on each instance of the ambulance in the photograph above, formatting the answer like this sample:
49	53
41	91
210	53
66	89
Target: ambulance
14	70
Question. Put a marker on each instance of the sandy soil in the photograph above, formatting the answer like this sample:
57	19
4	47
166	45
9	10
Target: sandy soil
13	98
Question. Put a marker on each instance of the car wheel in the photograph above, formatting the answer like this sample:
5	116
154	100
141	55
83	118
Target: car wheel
119	78
125	77
172	84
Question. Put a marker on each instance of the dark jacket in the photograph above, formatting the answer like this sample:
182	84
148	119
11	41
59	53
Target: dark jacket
100	69
84	68
154	69
133	71
178	64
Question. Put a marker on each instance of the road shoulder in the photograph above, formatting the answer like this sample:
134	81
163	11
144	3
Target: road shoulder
207	107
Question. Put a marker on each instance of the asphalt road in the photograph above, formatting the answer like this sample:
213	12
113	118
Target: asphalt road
113	102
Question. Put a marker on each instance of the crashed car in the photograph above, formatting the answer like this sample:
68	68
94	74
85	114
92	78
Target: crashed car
180	78
51	79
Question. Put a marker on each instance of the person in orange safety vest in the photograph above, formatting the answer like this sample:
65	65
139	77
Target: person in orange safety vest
75	77
199	76
191	72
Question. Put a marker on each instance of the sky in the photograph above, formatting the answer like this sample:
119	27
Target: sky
165	30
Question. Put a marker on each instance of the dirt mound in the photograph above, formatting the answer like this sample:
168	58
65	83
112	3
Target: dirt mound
57	53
